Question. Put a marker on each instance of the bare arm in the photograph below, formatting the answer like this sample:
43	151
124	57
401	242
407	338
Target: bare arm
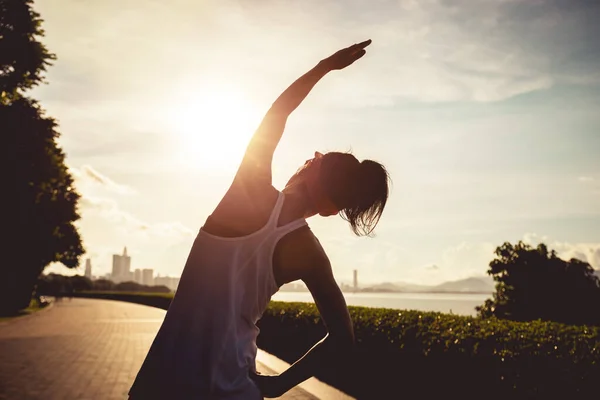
259	154
256	164
333	349
339	341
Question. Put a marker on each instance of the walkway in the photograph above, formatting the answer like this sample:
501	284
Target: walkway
83	349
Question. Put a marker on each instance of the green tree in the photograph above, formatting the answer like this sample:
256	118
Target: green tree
80	283
129	286
103	285
534	283
23	58
40	200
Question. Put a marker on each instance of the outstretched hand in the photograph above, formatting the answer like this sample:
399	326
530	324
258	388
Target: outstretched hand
345	57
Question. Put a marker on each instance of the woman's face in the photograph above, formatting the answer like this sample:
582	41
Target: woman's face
304	171
309	175
324	206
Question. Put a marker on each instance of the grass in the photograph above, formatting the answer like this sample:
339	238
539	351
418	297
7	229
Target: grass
34	305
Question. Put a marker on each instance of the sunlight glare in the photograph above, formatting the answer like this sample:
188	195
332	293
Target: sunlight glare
213	127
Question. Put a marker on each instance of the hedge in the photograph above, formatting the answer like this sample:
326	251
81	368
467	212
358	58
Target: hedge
158	300
413	354
427	354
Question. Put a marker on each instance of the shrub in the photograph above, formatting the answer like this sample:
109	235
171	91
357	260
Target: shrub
413	354
535	284
427	355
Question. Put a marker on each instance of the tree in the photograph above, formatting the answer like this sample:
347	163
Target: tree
81	283
157	289
51	284
129	286
40	200
104	285
23	58
534	283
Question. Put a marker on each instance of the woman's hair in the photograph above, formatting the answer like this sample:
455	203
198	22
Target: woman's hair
359	189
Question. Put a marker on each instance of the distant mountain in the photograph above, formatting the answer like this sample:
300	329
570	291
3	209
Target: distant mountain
411	287
478	285
469	285
384	287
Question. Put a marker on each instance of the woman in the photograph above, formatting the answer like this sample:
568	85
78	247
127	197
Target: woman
255	241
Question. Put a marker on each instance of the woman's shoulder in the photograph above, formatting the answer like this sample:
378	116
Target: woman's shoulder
241	212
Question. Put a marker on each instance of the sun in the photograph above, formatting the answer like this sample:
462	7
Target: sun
212	125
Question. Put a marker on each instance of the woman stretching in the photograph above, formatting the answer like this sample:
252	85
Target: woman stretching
256	240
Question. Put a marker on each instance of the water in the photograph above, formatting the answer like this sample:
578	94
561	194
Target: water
456	303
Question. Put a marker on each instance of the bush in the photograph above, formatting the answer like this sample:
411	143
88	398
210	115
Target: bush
535	284
427	355
158	300
412	354
130	286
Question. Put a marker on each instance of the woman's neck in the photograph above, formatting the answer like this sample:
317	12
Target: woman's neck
298	202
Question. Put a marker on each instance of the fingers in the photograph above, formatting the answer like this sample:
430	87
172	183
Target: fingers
360	54
364	44
361	45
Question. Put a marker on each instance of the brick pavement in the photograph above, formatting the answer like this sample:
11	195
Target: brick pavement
80	349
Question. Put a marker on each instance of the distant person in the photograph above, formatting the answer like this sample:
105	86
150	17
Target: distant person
256	240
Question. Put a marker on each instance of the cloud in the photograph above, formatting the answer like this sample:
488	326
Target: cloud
591	182
87	175
442	51
106	227
588	252
469	259
391	263
464	260
117	75
86	178
427	51
110	210
586	179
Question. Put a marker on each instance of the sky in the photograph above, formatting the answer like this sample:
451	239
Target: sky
484	113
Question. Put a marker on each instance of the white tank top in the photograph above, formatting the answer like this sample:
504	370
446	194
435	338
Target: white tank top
207	342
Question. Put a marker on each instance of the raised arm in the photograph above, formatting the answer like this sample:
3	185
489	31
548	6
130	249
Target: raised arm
256	165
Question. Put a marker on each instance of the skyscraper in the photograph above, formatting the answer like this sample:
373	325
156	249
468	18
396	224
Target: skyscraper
147	277
137	276
355	280
88	268
120	267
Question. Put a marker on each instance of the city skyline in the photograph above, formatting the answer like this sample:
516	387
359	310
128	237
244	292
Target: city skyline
121	272
145	276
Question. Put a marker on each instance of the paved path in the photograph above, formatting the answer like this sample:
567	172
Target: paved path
80	349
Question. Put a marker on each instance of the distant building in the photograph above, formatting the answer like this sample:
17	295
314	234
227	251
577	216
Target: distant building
355	283
121	267
88	268
167	281
162	281
137	276
148	277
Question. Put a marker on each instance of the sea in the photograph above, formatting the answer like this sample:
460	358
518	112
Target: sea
451	303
